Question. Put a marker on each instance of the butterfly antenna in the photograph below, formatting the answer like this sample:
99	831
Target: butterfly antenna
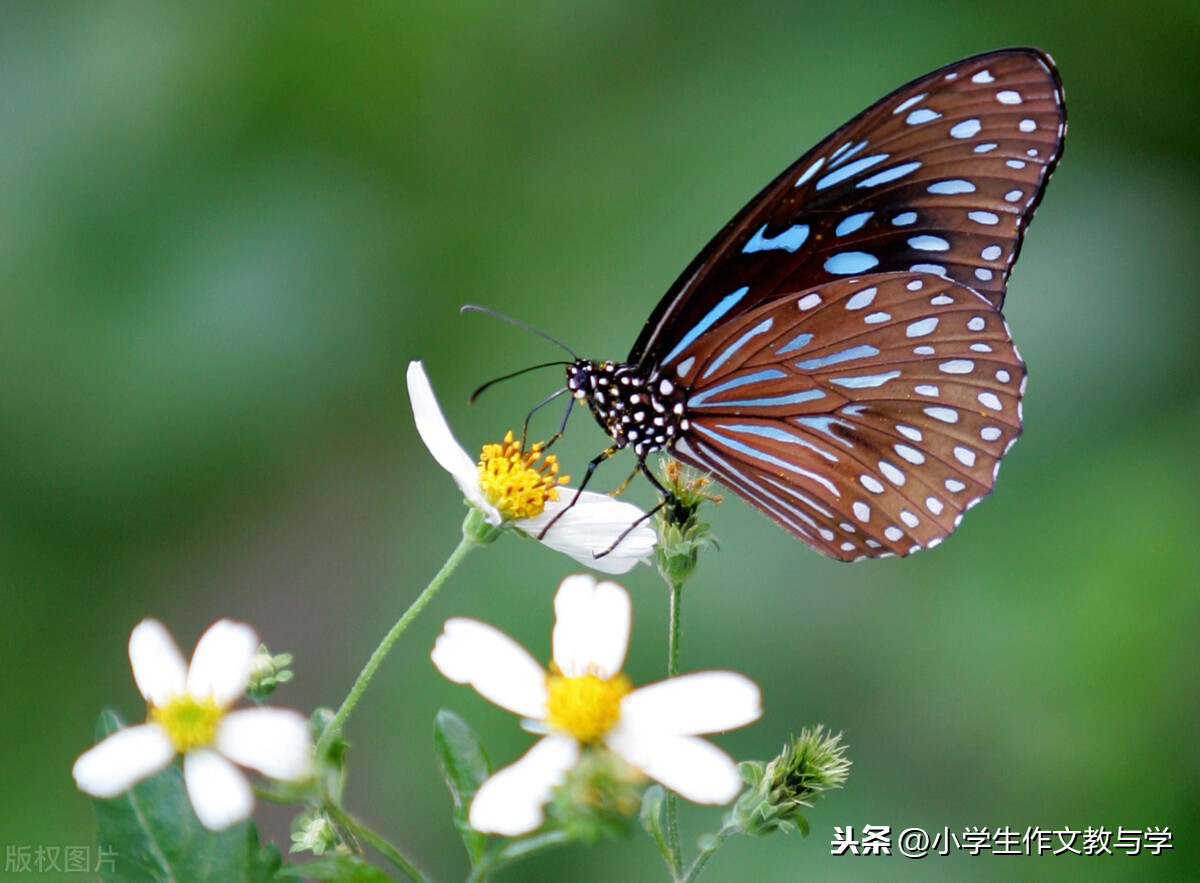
496	380
478	309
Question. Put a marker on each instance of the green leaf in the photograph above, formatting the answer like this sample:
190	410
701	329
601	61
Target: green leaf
464	765
150	834
335	869
654	802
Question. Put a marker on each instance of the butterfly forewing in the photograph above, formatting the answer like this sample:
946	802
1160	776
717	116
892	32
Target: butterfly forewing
941	176
865	415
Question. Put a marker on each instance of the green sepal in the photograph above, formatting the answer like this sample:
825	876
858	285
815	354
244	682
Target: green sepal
654	802
151	833
464	765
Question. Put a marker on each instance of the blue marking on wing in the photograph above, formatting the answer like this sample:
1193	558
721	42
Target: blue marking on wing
839	157
789	240
795	398
848	262
890	174
774	432
862	351
763	456
758	329
756	377
866	381
852	223
798	342
727	303
850	170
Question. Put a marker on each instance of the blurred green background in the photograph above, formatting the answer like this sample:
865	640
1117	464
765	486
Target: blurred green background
226	229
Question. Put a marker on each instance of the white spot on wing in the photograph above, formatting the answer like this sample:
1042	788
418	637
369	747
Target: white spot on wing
921	327
950	186
905	105
921	115
989	400
965	129
929	243
984	76
809	301
871	483
1008	96
964	455
946	415
861	299
957	366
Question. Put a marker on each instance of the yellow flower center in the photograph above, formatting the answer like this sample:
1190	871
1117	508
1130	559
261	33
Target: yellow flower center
189	722
587	707
514	482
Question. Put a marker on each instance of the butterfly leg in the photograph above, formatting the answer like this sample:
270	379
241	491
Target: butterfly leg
547	400
627	531
596	461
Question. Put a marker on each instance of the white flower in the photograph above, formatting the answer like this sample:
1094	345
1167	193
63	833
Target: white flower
589	527
585	699
189	715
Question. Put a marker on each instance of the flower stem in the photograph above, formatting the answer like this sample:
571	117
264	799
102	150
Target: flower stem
676	617
377	842
334	729
672	670
708	852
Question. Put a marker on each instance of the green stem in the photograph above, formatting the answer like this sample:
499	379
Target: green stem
708	852
673	844
676	618
376	841
334	729
514	850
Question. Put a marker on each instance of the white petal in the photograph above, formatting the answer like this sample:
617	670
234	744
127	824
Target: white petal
690	767
440	440
511	801
591	527
221	661
158	666
703	702
220	794
472	652
591	626
274	741
123	759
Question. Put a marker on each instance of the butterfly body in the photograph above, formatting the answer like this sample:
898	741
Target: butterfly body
836	354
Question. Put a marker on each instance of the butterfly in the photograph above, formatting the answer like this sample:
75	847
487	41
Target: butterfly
836	354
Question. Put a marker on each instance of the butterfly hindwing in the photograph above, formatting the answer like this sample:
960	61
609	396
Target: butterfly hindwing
941	176
865	415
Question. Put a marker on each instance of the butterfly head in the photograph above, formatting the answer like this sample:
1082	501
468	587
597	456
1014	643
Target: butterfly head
645	414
